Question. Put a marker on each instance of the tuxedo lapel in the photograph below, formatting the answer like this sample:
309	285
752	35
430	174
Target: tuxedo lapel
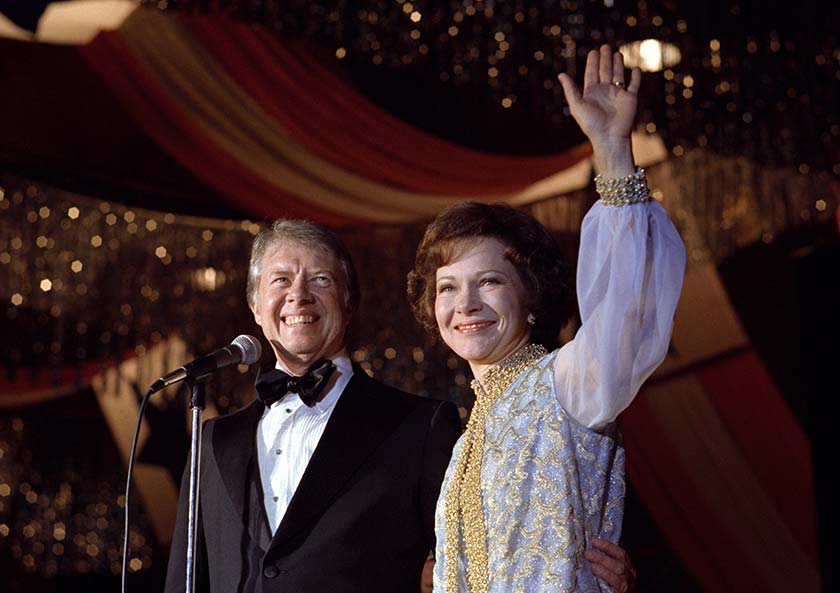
355	429
233	451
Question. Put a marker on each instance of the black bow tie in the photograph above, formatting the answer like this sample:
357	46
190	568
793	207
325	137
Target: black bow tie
273	385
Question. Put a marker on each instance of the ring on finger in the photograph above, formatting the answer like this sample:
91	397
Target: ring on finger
618	83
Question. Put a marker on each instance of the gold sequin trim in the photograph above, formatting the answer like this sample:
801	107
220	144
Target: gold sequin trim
463	505
621	191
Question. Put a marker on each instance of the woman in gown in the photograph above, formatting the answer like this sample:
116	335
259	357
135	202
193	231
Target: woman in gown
538	475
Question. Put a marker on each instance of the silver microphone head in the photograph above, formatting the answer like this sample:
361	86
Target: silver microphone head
249	346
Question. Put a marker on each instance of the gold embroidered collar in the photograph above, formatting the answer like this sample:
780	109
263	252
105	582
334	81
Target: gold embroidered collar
498	378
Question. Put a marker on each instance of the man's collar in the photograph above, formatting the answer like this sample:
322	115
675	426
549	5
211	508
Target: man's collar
340	359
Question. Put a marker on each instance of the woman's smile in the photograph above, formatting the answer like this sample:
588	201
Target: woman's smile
473	326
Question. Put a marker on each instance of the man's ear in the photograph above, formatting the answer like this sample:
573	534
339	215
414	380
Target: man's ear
255	310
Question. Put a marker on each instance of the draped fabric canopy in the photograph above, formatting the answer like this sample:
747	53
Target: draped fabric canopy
731	493
265	124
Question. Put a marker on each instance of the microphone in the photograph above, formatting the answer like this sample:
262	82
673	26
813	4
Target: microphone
244	349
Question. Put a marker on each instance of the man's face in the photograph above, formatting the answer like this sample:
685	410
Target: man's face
300	304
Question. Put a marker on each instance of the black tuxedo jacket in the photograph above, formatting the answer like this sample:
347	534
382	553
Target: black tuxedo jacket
361	519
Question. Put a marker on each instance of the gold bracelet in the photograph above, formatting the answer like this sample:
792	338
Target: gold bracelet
621	191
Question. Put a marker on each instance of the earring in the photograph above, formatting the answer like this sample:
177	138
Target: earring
531	319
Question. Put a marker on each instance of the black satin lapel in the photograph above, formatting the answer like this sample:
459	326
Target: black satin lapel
258	526
234	452
354	431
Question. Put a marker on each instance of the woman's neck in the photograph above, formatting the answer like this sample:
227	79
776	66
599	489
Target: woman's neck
480	369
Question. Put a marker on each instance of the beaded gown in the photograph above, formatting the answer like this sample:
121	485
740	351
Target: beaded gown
550	468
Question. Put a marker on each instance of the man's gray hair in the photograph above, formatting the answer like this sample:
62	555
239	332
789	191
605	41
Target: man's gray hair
306	234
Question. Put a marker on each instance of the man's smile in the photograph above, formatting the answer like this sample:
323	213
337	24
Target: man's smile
295	320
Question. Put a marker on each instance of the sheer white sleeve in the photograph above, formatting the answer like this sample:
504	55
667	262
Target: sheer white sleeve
629	276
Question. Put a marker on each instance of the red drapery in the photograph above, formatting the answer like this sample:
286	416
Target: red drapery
149	104
333	119
733	495
274	131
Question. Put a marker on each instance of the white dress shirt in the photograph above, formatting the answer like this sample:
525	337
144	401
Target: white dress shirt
287	435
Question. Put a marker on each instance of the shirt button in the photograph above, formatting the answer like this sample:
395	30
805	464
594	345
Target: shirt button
278	451
270	571
288	410
276	498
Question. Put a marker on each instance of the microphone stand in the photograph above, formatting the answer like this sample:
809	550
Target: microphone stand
197	399
196	373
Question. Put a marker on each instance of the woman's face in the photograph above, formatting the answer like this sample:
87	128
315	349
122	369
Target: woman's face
480	304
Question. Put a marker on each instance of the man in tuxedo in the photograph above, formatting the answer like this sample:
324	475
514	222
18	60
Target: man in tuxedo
327	481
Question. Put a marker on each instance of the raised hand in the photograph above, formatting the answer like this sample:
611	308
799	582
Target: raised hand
606	109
